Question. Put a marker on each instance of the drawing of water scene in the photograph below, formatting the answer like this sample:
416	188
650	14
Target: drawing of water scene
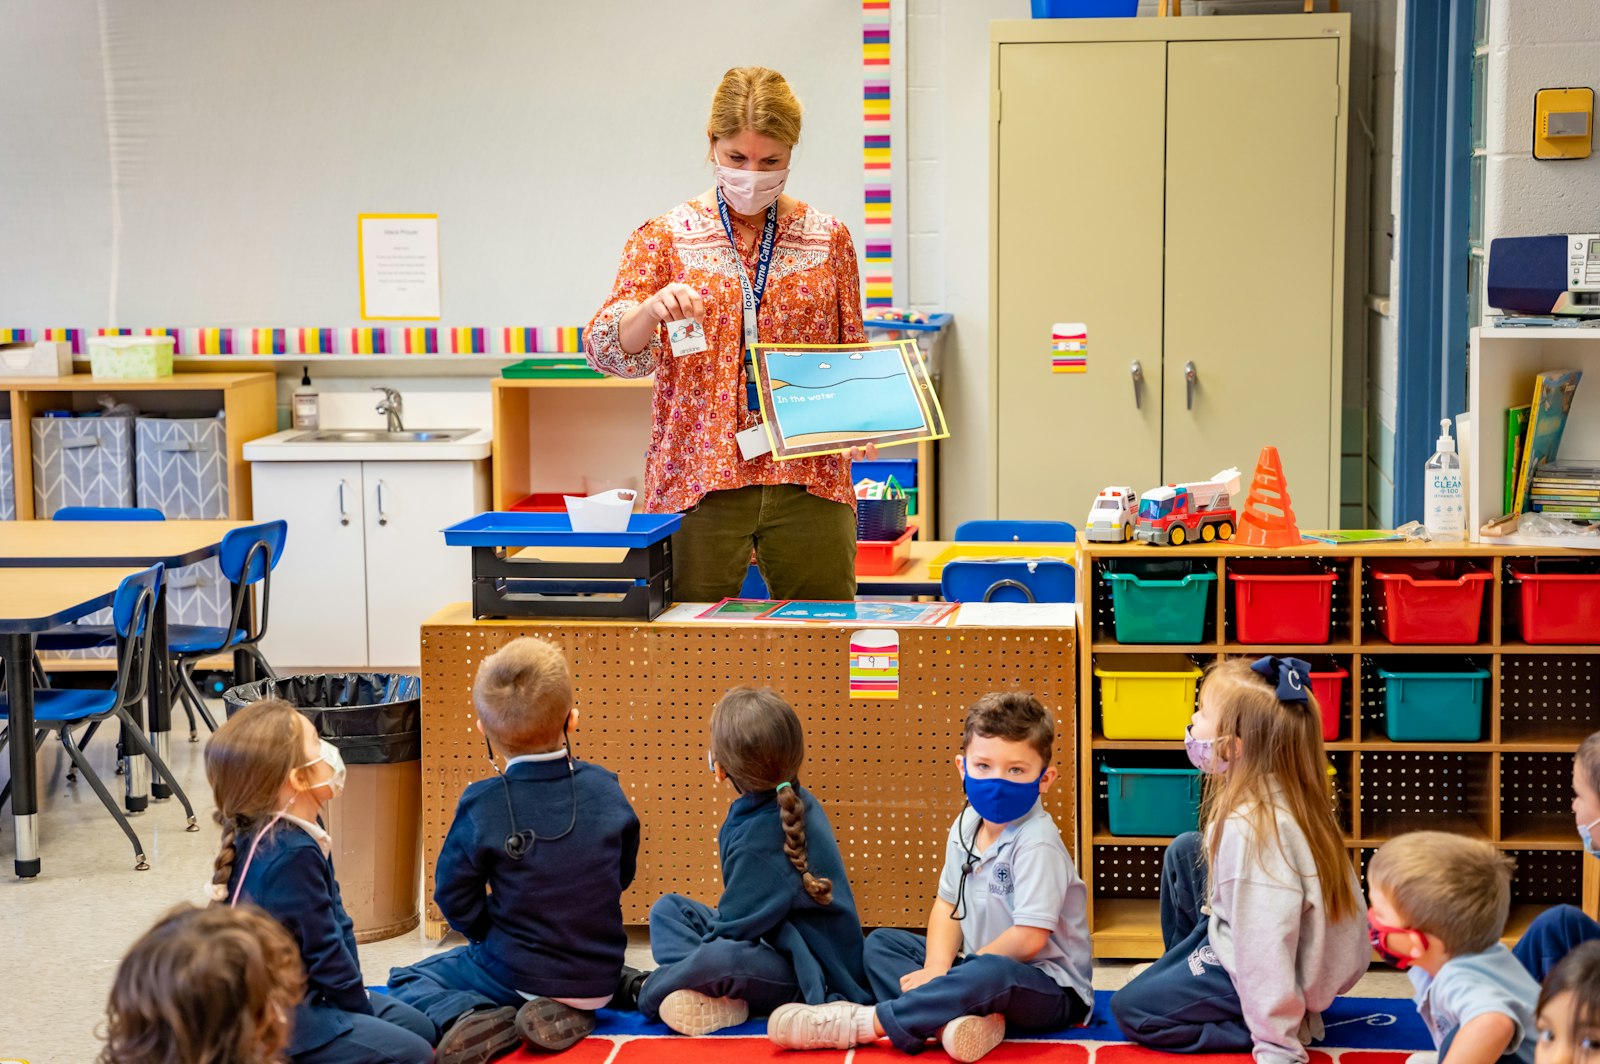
823	396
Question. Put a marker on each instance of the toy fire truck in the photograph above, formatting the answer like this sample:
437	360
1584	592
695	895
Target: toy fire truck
1180	513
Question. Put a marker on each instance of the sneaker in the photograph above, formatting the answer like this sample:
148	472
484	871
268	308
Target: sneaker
547	1024
1139	969
829	1026
1428	1057
969	1038
479	1036
628	987
693	1013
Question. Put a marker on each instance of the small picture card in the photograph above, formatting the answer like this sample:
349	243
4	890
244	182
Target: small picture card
875	663
1069	347
688	337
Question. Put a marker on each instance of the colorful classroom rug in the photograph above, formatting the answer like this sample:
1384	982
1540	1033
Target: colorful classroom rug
1360	1031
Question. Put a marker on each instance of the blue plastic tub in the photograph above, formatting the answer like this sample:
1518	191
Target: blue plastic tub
904	470
1151	801
503	528
1427	701
1085	8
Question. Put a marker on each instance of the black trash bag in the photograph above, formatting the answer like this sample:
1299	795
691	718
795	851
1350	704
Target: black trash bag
374	718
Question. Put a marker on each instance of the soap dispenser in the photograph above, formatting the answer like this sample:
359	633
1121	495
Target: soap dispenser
1445	512
306	407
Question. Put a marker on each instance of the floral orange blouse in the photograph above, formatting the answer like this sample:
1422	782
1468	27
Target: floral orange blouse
813	296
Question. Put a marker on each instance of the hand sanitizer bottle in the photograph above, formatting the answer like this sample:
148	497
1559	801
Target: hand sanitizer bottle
1444	514
305	408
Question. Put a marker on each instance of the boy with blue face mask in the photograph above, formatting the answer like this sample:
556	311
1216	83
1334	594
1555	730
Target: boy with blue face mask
1008	936
1562	928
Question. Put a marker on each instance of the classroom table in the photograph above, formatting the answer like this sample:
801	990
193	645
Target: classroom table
33	601
124	543
884	767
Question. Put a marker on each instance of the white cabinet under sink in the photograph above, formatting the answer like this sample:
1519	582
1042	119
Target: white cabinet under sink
365	564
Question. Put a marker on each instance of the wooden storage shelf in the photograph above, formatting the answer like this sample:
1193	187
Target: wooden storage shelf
249	402
1510	787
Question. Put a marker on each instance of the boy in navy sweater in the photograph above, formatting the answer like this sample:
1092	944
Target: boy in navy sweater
531	872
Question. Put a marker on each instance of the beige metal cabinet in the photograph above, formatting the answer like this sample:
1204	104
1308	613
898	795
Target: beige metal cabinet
1178	186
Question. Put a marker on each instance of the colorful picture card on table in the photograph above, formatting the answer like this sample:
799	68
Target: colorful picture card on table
915	614
827	398
740	610
399	256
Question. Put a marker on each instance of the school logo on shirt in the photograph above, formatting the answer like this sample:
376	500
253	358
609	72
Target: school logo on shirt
1201	957
1000	880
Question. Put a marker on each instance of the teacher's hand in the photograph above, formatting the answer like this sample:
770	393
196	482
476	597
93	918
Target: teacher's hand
674	302
867	453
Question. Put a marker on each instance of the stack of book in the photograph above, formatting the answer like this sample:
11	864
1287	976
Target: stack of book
1569	490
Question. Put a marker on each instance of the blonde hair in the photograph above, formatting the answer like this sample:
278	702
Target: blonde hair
1266	741
1447	886
757	99
523	694
756	738
1588	756
205	986
247	761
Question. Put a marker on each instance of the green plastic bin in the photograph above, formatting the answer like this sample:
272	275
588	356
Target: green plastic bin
556	367
1432	702
1152	801
1160	602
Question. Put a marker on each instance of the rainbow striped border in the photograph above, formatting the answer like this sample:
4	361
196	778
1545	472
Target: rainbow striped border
469	341
556	340
420	340
877	285
72	336
314	341
16	336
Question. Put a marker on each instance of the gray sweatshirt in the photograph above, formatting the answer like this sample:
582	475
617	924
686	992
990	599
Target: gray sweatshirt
1272	935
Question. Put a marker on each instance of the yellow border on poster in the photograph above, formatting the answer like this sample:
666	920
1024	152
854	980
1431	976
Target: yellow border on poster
922	385
361	272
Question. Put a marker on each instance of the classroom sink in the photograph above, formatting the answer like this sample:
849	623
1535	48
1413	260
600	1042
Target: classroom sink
381	436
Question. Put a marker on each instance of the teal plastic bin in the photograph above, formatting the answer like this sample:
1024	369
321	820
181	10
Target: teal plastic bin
1152	801
1433	702
1160	602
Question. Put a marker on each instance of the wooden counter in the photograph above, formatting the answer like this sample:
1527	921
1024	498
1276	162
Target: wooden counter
884	769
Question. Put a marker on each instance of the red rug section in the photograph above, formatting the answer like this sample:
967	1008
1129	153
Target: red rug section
1015	1052
588	1051
700	1050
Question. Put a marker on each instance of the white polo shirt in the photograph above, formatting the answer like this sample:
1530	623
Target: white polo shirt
1025	878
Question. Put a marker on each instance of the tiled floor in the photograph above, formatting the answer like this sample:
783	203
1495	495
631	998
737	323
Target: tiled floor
62	933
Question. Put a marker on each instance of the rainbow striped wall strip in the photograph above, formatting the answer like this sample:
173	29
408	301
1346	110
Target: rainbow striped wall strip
15	336
465	341
530	340
72	336
877	280
363	340
421	341
267	341
210	341
367	341
113	332
314	341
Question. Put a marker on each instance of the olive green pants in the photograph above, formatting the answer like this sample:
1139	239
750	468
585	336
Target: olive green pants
804	544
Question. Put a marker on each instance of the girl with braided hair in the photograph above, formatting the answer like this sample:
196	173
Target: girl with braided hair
270	775
785	928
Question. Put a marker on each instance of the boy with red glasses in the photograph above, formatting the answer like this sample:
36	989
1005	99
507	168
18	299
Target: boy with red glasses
1438	907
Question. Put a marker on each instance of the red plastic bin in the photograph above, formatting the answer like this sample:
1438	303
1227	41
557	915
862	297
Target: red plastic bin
883	557
1557	607
1432	601
1281	602
1328	686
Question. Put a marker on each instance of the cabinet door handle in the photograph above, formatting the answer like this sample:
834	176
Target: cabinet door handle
1137	372
344	509
1189	382
383	518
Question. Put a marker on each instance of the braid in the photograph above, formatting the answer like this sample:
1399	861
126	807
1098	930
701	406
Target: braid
222	868
792	812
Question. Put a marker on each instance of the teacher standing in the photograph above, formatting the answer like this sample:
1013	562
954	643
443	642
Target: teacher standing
751	264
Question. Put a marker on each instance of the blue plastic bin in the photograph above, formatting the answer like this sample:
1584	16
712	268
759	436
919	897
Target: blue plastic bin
1433	702
1151	801
904	470
1085	8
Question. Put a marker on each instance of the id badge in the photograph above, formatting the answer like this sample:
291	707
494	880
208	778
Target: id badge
753	442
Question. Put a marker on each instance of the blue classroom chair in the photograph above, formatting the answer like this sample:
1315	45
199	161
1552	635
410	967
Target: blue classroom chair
89	636
1016	532
1009	580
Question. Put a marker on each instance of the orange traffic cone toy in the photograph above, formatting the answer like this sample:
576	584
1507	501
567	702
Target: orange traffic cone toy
1267	519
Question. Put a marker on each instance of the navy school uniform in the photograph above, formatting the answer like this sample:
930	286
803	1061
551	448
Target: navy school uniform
549	924
767	942
337	1023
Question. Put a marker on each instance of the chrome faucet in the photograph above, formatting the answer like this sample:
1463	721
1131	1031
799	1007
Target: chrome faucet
391	406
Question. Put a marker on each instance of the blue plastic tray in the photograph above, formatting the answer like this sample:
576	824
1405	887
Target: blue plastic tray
500	528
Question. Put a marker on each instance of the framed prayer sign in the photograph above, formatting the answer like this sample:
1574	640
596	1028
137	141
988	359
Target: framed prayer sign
827	398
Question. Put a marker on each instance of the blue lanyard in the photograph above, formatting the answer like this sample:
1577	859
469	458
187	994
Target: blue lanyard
752	293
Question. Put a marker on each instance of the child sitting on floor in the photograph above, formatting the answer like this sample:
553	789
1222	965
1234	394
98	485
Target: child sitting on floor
531	872
1569	1008
1561	928
216	984
1262	918
1439	905
1009	899
785	928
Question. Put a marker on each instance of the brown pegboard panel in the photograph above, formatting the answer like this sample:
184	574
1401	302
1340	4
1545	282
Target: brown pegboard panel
1435	790
1128	871
883	769
1547	877
1547	698
1536	799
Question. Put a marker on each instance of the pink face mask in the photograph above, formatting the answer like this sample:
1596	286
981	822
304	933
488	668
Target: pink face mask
750	191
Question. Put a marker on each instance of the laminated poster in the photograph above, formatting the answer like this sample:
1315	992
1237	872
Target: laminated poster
875	663
827	398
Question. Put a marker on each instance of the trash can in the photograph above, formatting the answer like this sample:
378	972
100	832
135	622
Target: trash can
375	719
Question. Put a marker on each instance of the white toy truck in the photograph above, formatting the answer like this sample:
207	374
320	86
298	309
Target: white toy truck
1111	517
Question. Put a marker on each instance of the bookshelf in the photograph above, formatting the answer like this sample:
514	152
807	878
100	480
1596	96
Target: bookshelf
1513	787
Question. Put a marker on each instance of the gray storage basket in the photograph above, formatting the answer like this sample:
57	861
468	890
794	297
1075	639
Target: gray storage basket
183	466
8	477
81	461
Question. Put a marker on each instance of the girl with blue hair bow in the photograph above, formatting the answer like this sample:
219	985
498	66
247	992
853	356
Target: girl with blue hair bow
1261	912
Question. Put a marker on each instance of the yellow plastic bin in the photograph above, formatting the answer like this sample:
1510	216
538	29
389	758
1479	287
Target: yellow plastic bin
1146	696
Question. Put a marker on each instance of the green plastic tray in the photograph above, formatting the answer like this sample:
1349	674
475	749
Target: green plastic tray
564	367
